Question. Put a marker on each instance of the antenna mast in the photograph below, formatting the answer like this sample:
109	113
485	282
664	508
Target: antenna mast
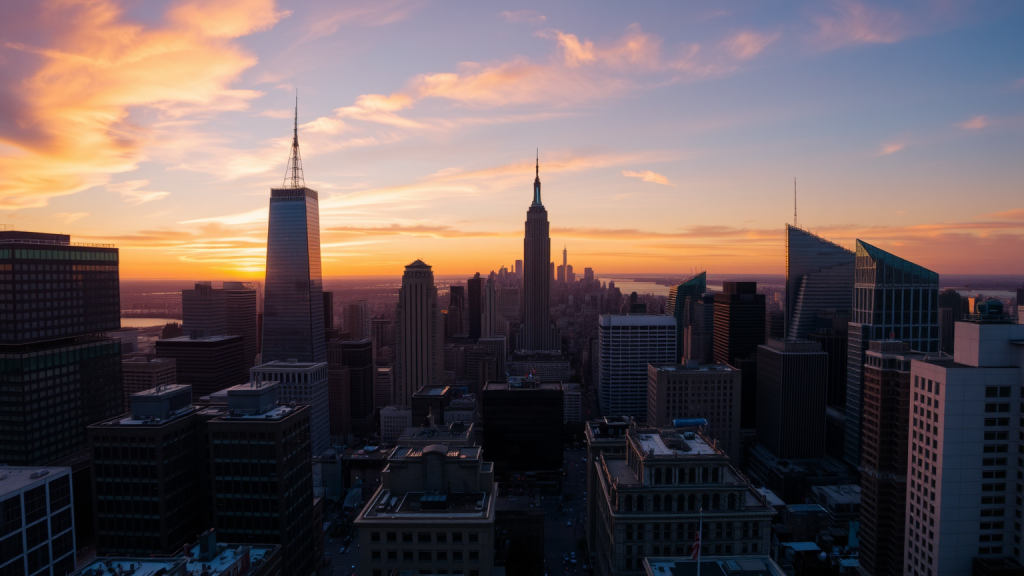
295	163
794	204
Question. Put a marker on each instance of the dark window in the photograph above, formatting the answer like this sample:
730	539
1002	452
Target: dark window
474	537
35	504
423	537
375	554
407	555
60	493
442	536
392	555
456	536
424	555
474	555
406	536
392	536
10	515
374	536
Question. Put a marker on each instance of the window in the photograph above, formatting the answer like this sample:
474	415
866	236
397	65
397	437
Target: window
406	536
456	536
374	536
407	555
392	536
423	537
442	536
457	555
392	555
442	555
375	555
474	537
474	555
424	555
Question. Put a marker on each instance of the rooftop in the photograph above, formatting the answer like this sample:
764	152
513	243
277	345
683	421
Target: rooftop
288	365
14	478
228	556
517	383
458	452
453	431
655	443
695	368
203	340
429	505
720	566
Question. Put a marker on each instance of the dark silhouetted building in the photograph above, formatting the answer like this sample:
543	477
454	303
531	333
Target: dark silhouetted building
819	276
231	310
358	356
739	321
474	297
681	300
419	359
59	373
429	403
208	364
537	272
951	311
791	377
522	425
339	391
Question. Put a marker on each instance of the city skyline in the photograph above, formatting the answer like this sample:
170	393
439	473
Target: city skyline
649	121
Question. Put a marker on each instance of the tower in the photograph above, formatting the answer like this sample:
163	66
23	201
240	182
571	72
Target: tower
420	335
536	327
565	263
819	275
293	309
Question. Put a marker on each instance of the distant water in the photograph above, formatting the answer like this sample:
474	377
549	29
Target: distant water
628	285
146	322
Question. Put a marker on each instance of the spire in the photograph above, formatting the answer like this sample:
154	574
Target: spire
794	203
293	174
536	183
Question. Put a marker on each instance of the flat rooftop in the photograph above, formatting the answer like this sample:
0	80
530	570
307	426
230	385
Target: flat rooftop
430	505
698	369
280	412
459	452
13	478
278	365
180	340
450	432
721	566
523	384
229	555
669	443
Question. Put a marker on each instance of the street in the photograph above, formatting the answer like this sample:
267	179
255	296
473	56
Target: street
341	564
561	539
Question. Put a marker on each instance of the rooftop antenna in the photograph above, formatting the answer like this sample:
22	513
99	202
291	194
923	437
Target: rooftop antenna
794	203
295	164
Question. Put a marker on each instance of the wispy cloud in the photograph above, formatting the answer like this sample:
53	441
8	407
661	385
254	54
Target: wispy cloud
132	193
850	23
358	13
69	217
523	16
891	148
648	176
748	43
976	123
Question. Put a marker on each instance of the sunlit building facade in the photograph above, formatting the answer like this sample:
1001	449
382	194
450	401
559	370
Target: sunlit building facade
819	275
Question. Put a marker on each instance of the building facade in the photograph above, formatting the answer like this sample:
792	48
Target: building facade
522	425
138	374
37	534
681	300
419	334
393	422
694	390
302	383
819	276
791	376
536	321
739	322
208	364
627	344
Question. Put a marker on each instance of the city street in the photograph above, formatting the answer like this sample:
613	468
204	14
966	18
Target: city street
342	564
562	531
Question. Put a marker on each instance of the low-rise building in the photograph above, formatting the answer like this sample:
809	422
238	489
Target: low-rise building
36	520
207	556
433	513
454	434
717	566
393	422
652	499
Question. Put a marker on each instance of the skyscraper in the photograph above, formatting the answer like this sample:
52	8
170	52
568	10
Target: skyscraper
537	265
293	306
893	298
565	264
739	322
474	297
680	305
231	310
627	344
301	383
819	275
489	310
419	334
791	377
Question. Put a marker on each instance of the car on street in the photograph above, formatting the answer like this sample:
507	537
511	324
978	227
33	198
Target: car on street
568	522
342	551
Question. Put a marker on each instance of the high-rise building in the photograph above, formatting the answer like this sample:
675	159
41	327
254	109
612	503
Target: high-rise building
651	499
588	274
36	506
231	310
293	306
474	297
819	275
965	439
419	354
570	276
565	262
681	300
536	328
434	511
302	383
951	311
261	474
339	392
138	374
383	335
627	344
328	310
522	422
886	437
357	320
893	299
384	386
59	372
739	322
693	390
489	310
358	356
207	364
791	377
699	333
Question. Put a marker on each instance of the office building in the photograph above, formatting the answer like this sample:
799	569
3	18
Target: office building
357	320
697	391
739	322
454	435
964	441
358	356
791	377
383	334
302	383
38	518
894	299
434	510
208	364
393	422
681	300
207	556
650	500
162	435
489	311
536	321
204	311
454	321
819	275
604	436
255	436
293	305
572	403
474	304
883	468
429	404
627	344
951	311
328	310
419	333
138	374
588	274
699	333
522	425
339	392
59	372
383	387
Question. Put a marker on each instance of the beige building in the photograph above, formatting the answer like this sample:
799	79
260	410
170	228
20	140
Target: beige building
138	374
694	390
433	514
650	499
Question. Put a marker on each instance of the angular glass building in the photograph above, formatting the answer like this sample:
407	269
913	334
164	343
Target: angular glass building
293	305
680	302
819	275
893	299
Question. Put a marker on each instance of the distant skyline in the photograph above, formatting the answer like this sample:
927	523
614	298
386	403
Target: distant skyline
669	134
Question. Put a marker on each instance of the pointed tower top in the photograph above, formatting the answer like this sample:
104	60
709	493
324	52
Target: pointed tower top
293	177
536	183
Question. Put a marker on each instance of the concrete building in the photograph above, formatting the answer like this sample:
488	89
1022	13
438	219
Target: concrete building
694	390
522	425
649	501
393	422
302	383
716	566
37	515
138	374
739	322
627	344
434	510
462	409
384	387
208	364
419	332
572	403
453	435
206	556
544	365
230	310
791	376
357	355
964	440
604	436
339	392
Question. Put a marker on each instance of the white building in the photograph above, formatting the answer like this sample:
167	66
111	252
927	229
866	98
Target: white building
627	344
302	383
962	501
37	520
393	422
572	403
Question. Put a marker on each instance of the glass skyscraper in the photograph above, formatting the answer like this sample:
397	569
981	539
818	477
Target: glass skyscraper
293	305
680	302
819	275
892	299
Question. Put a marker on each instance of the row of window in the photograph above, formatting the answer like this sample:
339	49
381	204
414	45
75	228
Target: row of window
425	555
426	537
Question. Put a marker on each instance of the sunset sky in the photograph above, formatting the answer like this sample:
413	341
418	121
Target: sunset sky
669	132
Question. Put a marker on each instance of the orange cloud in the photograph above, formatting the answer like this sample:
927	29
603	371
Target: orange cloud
130	192
976	123
856	23
747	44
72	127
891	148
520	16
648	176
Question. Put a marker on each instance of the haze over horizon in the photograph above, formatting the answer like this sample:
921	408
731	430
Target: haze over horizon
669	135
